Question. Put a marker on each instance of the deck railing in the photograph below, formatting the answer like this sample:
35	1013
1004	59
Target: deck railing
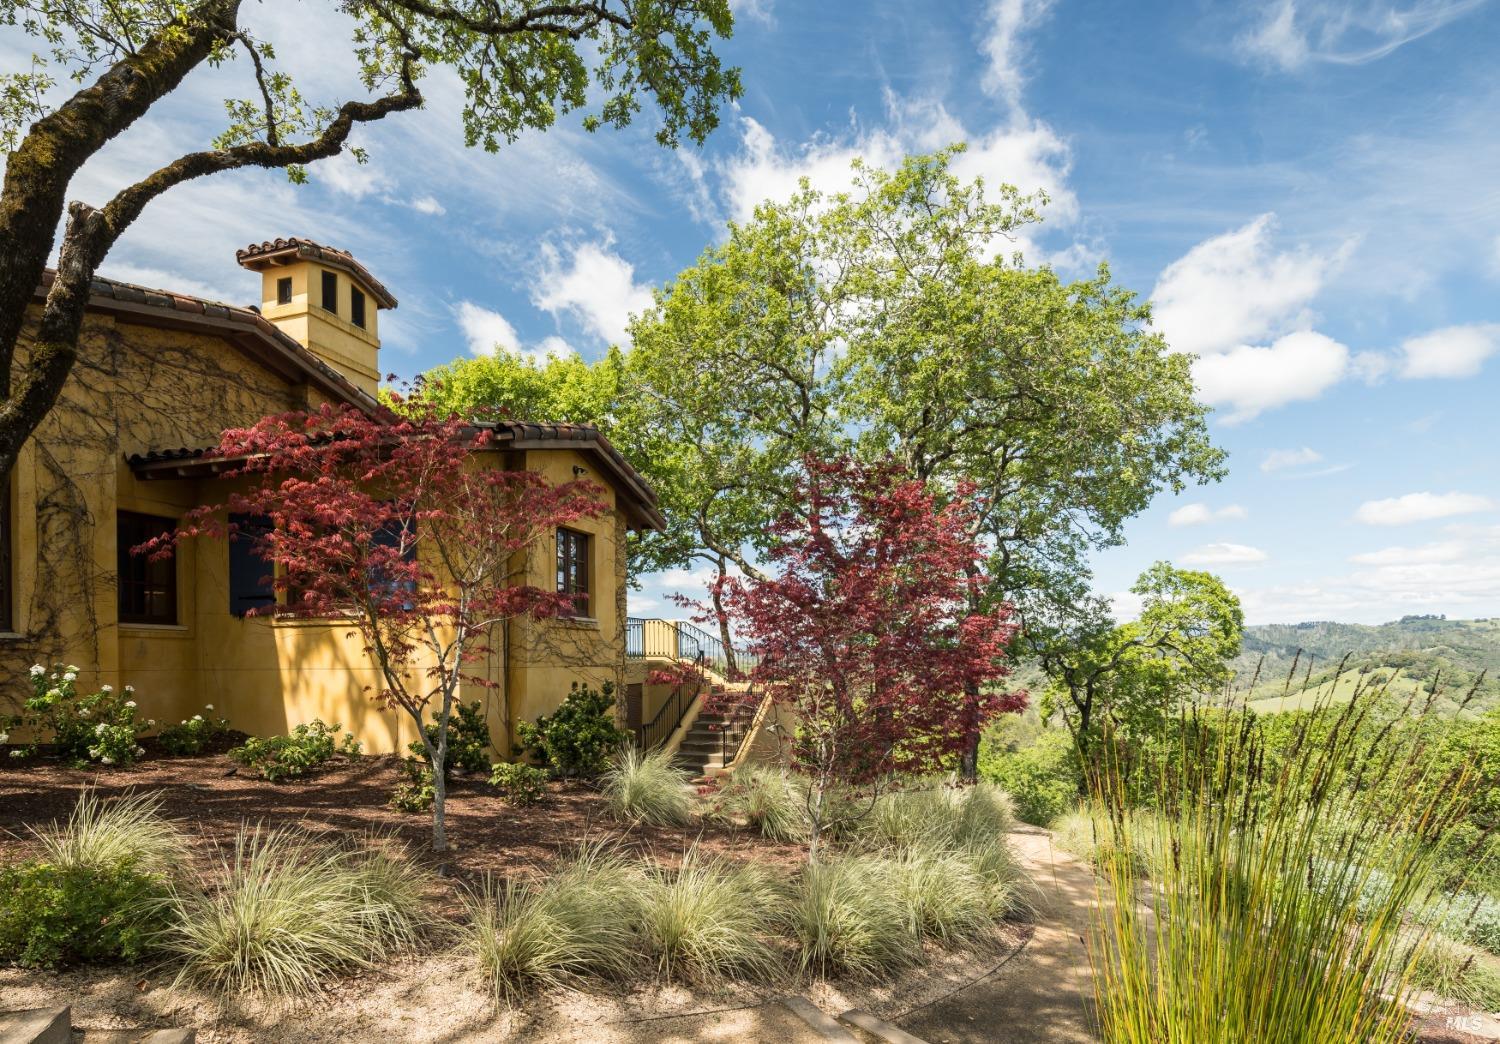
686	643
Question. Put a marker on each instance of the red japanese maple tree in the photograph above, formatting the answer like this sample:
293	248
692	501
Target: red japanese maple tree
393	523
864	632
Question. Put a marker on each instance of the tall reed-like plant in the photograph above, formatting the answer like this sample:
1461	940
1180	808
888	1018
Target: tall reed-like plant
1281	908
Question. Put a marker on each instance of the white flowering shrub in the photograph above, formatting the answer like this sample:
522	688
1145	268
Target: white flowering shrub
99	726
195	735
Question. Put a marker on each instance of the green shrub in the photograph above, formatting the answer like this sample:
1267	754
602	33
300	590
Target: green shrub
306	748
468	739
195	735
770	799
414	792
53	915
578	738
128	831
843	918
706	920
1086	832
289	912
520	783
1042	779
100	726
648	788
579	922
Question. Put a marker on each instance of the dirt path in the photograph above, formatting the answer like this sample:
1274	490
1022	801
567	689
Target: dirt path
1043	994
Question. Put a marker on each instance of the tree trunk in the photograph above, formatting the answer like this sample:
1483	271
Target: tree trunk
815	809
37	176
731	667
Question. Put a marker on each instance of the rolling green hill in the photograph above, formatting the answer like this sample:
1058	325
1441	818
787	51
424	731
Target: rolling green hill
1408	655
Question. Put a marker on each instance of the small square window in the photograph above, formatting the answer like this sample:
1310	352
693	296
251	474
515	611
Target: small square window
331	292
284	290
357	307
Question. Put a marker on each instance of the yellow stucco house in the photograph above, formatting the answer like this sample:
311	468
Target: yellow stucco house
159	376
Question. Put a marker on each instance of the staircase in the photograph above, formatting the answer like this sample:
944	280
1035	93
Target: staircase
710	739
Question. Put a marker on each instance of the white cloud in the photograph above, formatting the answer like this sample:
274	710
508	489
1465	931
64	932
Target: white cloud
1459	576
428	205
1443	551
1004	46
1224	555
487	331
596	286
1456	351
1200	514
753	10
348	177
1236	288
1278	460
1248	380
1292	35
1420	507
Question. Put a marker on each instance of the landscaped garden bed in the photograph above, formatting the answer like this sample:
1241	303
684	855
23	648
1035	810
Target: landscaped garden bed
439	989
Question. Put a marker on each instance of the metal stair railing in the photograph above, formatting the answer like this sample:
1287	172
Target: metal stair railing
682	643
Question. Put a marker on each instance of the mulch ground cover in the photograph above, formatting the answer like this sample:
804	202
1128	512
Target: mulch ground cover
211	797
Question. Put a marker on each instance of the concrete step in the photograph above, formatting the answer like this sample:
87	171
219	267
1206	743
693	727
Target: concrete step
877	1027
37	1026
822	1024
138	1036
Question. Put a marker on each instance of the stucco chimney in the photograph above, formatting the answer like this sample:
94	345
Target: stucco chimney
325	300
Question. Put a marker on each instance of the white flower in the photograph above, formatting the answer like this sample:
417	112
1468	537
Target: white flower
197	717
107	761
55	694
106	688
71	667
208	706
99	729
139	751
130	703
70	676
37	670
85	712
4	737
130	688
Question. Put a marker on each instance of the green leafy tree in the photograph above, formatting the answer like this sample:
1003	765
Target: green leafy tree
522	64
1137	674
892	317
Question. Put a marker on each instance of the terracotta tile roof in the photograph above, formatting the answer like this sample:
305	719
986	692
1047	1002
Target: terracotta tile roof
259	255
635	494
243	327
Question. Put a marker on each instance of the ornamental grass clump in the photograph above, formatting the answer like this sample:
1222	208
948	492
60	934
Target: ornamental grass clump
843	919
127	831
936	813
1292	902
706	921
769	799
648	788
579	922
289	912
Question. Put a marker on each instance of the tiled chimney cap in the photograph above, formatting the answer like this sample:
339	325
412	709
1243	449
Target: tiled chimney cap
259	256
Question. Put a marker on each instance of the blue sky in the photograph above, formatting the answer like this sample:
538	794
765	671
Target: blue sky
1308	191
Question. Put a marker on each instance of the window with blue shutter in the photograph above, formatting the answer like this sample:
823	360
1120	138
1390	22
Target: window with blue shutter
249	573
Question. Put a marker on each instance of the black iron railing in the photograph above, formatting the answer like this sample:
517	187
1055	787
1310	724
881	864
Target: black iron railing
670	714
673	640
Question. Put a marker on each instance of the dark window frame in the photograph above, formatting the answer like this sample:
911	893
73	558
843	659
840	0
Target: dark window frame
573	547
330	299
357	307
7	576
251	576
140	580
284	290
